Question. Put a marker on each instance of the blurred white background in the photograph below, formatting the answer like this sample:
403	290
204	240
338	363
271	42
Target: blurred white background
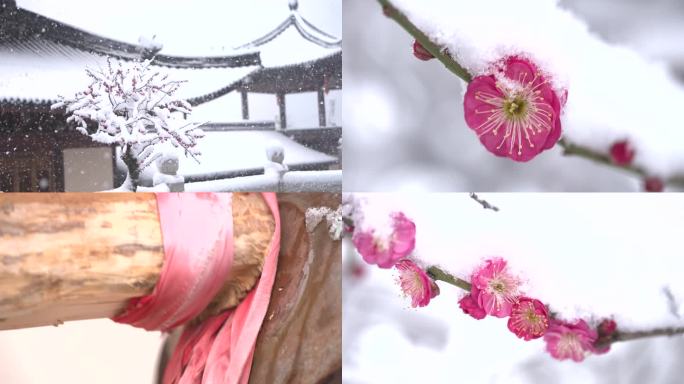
606	255
404	118
79	352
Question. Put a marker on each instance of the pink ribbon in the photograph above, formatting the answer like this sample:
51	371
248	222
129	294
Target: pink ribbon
197	231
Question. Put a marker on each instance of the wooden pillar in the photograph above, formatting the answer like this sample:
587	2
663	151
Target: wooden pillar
245	105
301	338
71	256
321	107
280	99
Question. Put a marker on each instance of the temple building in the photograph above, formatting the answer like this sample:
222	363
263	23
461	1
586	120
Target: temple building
42	58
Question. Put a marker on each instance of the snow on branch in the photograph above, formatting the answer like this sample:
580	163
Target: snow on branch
613	105
387	238
133	106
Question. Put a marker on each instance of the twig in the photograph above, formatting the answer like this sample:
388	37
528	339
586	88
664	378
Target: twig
671	302
626	336
569	149
439	274
393	13
484	203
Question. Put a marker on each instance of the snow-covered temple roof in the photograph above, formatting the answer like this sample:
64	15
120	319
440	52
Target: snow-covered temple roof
25	28
294	41
296	56
43	58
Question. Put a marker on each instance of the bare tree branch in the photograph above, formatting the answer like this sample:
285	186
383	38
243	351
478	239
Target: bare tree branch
484	203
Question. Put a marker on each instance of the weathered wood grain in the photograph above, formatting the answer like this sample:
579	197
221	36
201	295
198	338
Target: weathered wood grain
75	256
301	338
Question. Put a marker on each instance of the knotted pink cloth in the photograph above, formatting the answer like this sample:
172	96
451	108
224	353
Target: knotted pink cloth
197	231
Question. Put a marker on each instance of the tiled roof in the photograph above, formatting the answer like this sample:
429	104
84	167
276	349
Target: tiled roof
19	27
43	59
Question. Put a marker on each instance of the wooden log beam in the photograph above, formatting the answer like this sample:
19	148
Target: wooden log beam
77	256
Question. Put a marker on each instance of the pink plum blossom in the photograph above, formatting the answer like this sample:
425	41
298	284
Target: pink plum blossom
514	110
529	319
469	305
569	341
386	249
415	283
497	289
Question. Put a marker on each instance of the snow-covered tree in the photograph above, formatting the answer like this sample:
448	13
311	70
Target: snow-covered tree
133	106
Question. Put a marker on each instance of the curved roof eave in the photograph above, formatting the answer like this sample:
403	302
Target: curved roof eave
22	22
307	30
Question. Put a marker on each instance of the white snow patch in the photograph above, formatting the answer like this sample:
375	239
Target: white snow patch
296	181
232	151
150	43
333	217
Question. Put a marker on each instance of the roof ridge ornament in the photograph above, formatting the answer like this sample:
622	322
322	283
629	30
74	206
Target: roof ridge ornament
293	5
305	29
150	46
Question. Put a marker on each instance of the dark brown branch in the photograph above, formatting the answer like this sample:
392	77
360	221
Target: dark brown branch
635	335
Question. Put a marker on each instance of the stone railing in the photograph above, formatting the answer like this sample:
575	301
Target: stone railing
276	178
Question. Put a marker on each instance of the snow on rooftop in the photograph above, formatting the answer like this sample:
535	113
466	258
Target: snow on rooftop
214	29
613	92
29	65
291	48
33	74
